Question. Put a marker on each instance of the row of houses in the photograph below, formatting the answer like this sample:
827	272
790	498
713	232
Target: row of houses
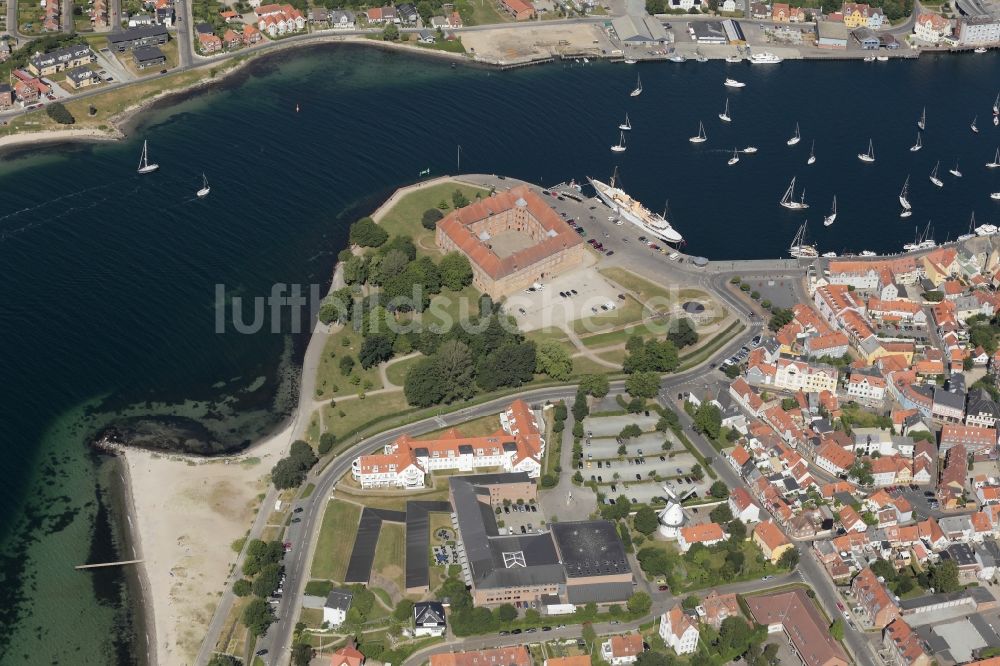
979	30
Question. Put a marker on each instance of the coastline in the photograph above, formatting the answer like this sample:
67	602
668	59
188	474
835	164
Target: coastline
134	539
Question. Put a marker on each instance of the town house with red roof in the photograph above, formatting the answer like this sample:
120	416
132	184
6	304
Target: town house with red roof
621	650
679	631
873	597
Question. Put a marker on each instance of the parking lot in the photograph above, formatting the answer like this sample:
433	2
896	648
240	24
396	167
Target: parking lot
610	426
520	518
556	304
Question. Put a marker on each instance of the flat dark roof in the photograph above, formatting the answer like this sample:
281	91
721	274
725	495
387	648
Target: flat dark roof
590	548
147	53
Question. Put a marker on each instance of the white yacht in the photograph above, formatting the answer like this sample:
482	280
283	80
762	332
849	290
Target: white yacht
918	145
205	189
765	58
795	137
996	161
627	125
799	249
733	83
677	57
995	195
972	230
144	165
735	158
701	138
638	87
979	49
922	123
904	200
620	148
724	116
788	201
832	217
812	153
955	172
829	255
934	177
986	229
750	150
870	155
973	127
867	253
634	212
736	57
922	241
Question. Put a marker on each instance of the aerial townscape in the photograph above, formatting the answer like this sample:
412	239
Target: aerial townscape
362	334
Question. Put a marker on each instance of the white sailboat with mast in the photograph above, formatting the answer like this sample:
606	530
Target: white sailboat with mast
955	172
788	201
832	217
918	145
922	123
620	148
144	165
627	125
638	87
795	137
996	161
701	138
812	153
735	158
973	126
724	116
870	155
205	189
799	249
904	200
934	175
972	229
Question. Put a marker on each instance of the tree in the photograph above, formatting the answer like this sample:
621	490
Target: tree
456	272
595	385
837	630
708	420
944	576
652	658
552	359
458	199
721	513
654	561
356	270
697	473
643	384
242	587
719	490
588	634
375	349
422	386
365	232
683	334
737	530
789	559
346	364
454	363
261	553
630	431
224	660
326	442
291	471
59	113
506	613
390	32
861	471
580	408
668	421
639	603
690	602
302	654
267	580
645	521
780	317
257	616
430	219
788	404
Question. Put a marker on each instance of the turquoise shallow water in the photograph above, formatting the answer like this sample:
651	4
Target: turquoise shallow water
109	278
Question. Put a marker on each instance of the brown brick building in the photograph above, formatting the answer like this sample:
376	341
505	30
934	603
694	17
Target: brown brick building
512	240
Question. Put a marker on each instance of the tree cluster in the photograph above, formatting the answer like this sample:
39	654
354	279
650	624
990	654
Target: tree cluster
291	471
650	355
683	334
59	113
708	420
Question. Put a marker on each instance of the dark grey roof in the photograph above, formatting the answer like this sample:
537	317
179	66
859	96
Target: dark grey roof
81	73
590	548
147	53
980	402
359	567
428	612
64	54
949	399
418	540
961	553
956	383
976	594
139	32
339	599
204	28
598	592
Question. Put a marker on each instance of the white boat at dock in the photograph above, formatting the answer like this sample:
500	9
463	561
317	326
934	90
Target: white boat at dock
733	83
701	138
867	253
986	229
869	156
829	255
765	58
627	208
734	58
869	58
724	116
796	137
918	145
629	61
934	175
788	201
677	57
922	241
972	230
882	58
799	249
980	49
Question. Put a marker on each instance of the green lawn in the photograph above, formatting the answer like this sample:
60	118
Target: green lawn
584	366
396	372
645	290
481	12
390	553
627	312
404	216
611	337
540	334
451	46
485	425
330	382
336	538
357	413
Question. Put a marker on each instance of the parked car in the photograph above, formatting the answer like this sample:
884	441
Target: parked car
663	588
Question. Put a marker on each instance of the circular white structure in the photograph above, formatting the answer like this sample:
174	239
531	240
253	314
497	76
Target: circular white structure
671	520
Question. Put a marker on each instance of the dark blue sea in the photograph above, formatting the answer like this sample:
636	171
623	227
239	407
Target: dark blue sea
109	278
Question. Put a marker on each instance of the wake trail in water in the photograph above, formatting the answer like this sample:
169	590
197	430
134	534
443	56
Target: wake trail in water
8	234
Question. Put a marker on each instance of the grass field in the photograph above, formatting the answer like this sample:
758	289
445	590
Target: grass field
396	372
330	381
584	366
627	312
359	412
484	425
390	553
610	338
480	13
404	217
336	538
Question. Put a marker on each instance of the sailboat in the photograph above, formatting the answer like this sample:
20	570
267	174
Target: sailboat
701	138
829	219
144	165
918	145
975	130
972	230
620	148
812	153
870	155
788	201
904	200
205	189
955	172
934	176
796	137
799	249
922	241
627	125
996	161
735	158
638	87
996	105
922	123
724	116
